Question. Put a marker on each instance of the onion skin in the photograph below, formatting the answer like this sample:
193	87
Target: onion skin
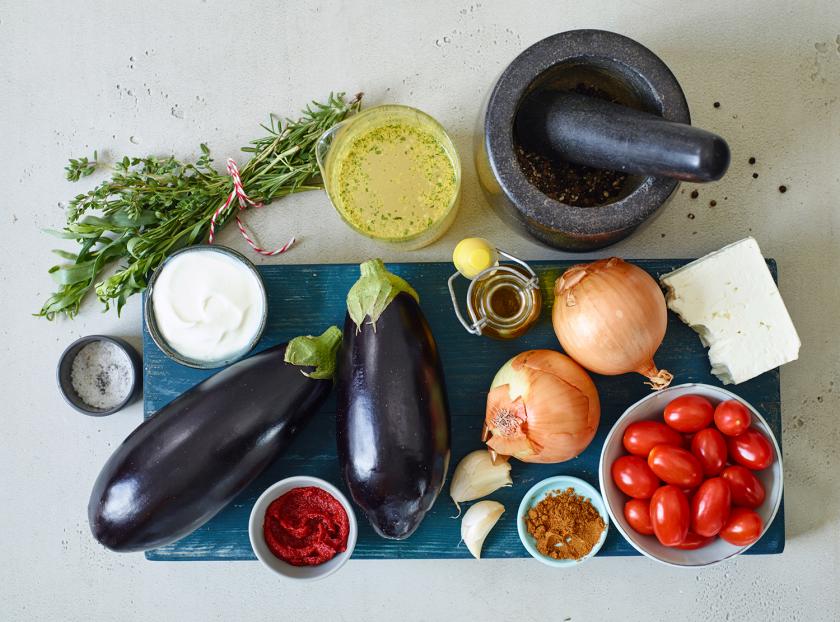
610	316
542	407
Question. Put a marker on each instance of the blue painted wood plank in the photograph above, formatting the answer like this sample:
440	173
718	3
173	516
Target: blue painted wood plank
305	299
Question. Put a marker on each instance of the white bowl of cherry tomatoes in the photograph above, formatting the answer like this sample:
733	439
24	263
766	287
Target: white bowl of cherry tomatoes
691	475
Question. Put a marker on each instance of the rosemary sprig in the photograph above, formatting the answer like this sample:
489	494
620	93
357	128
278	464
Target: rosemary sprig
153	206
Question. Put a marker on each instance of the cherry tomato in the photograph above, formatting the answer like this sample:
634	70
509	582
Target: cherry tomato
670	515
751	449
732	417
689	493
689	413
693	541
637	513
634	477
709	447
710	507
675	465
642	436
745	487
743	527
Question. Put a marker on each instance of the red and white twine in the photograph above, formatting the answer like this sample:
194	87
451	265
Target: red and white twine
245	201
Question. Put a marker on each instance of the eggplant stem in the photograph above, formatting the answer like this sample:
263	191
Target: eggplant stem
374	291
318	352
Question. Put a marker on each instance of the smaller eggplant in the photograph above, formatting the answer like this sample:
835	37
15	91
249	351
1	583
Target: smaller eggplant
393	427
193	456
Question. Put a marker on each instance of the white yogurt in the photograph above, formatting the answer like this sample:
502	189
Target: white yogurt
208	306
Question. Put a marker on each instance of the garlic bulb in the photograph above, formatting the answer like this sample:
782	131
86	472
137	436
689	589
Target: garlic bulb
477	523
476	476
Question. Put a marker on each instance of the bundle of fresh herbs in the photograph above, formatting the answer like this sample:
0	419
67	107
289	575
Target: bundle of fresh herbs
153	206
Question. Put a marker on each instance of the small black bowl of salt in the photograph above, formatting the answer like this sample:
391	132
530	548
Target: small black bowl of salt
99	375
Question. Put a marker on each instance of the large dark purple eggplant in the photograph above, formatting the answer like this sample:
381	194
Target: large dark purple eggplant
191	458
393	416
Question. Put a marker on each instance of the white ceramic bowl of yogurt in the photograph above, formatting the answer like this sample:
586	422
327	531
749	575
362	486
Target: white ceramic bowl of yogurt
206	306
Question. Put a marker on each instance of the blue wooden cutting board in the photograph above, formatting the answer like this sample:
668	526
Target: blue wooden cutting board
305	299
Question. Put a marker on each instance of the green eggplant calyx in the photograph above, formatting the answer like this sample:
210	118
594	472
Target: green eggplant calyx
374	291
318	352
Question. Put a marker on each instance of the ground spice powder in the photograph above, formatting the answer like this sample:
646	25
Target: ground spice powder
565	525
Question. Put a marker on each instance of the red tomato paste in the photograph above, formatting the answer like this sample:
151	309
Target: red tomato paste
306	527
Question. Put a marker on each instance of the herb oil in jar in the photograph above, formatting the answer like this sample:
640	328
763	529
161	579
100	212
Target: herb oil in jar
503	299
509	305
392	174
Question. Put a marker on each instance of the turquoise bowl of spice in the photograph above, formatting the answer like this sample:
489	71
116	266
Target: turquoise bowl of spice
552	486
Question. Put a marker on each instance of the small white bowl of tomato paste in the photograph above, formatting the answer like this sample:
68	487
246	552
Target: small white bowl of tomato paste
303	528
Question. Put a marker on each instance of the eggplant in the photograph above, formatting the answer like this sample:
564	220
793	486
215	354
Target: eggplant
178	468
393	424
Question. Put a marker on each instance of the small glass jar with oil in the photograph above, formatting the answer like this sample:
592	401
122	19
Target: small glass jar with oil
503	299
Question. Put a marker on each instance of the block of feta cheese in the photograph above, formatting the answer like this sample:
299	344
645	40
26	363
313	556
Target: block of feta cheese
730	299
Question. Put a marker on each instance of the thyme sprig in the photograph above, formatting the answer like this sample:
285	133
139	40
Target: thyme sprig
153	206
81	167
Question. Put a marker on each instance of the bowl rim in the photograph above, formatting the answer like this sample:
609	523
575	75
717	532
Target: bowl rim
730	395
255	524
582	488
151	322
69	355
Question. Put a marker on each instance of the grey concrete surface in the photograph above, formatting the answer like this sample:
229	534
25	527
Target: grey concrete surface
162	76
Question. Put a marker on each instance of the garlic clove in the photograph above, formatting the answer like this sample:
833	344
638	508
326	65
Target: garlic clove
477	523
477	476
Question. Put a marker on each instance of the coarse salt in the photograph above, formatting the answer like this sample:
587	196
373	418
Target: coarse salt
101	375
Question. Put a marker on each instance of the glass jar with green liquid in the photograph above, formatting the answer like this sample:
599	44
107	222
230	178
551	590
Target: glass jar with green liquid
392	174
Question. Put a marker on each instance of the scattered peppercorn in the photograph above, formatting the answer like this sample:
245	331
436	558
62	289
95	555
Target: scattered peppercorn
716	104
752	160
712	203
694	194
782	189
691	216
755	175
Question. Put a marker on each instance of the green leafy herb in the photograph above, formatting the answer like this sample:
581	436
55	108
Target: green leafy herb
153	206
76	169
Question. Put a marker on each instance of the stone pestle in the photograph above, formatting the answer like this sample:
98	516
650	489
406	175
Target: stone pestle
592	131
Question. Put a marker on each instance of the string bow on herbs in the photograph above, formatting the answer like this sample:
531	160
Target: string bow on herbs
152	206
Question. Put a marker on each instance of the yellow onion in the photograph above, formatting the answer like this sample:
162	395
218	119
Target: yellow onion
610	316
542	407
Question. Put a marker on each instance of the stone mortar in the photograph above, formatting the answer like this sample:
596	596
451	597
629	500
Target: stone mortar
612	62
